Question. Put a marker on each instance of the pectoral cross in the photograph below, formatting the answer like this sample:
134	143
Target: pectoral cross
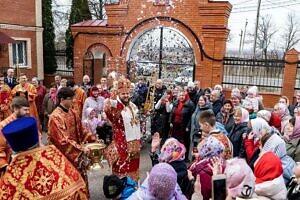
134	121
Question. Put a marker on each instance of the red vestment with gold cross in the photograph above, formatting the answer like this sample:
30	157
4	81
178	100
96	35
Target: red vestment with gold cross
42	173
126	136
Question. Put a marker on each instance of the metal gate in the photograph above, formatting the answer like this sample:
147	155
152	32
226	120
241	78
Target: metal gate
162	52
88	65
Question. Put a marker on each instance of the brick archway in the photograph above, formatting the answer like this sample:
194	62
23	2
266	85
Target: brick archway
101	53
205	27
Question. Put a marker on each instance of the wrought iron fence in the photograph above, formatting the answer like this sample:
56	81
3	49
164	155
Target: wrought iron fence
62	68
266	74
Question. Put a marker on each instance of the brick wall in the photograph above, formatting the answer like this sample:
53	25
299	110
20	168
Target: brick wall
203	20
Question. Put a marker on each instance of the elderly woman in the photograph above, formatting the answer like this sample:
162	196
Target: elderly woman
264	135
161	184
284	114
207	149
236	97
292	145
241	119
173	153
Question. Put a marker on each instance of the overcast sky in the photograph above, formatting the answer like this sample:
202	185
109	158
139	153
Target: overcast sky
246	9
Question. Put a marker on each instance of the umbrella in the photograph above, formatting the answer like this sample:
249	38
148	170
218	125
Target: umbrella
5	39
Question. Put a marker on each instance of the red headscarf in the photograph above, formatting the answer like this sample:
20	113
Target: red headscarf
267	168
275	121
93	88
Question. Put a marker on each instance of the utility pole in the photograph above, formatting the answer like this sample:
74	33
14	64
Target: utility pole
240	46
256	27
243	43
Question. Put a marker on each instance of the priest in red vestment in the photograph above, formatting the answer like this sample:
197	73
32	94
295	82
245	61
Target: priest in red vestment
123	115
38	172
66	132
29	92
5	98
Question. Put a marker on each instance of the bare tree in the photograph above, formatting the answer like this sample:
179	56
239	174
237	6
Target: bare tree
291	34
265	34
97	8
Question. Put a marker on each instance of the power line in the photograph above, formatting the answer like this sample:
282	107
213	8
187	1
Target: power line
267	4
265	8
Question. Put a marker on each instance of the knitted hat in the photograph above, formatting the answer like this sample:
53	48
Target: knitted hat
162	181
112	186
21	134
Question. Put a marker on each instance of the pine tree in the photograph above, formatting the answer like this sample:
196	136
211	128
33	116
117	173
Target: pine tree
79	12
50	64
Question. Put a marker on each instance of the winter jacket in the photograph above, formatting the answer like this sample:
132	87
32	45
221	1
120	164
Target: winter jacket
236	138
274	189
187	111
293	149
229	123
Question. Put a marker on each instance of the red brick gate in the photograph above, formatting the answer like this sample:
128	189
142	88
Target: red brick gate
202	22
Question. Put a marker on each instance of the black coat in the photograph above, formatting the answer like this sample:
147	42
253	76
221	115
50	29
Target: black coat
187	111
230	122
13	84
236	138
216	106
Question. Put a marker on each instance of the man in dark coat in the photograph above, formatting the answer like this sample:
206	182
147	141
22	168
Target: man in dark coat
10	80
216	102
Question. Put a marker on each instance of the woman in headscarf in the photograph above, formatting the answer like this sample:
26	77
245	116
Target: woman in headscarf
207	149
236	97
268	173
173	153
252	140
285	116
161	184
267	137
240	180
225	116
272	119
203	104
94	101
241	119
292	144
92	122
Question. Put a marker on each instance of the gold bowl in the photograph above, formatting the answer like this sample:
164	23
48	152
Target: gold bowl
95	154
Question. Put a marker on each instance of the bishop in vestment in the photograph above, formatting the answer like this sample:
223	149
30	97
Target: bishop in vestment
123	115
28	91
38	172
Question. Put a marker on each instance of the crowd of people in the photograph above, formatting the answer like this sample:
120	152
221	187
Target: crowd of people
197	134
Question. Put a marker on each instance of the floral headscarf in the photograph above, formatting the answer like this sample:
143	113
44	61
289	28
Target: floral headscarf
172	150
210	147
283	110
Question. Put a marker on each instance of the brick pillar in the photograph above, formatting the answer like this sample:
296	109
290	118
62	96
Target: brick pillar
290	72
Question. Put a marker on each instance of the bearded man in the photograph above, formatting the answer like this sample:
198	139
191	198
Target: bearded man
123	115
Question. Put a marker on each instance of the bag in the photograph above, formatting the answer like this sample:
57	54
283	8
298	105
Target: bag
111	153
